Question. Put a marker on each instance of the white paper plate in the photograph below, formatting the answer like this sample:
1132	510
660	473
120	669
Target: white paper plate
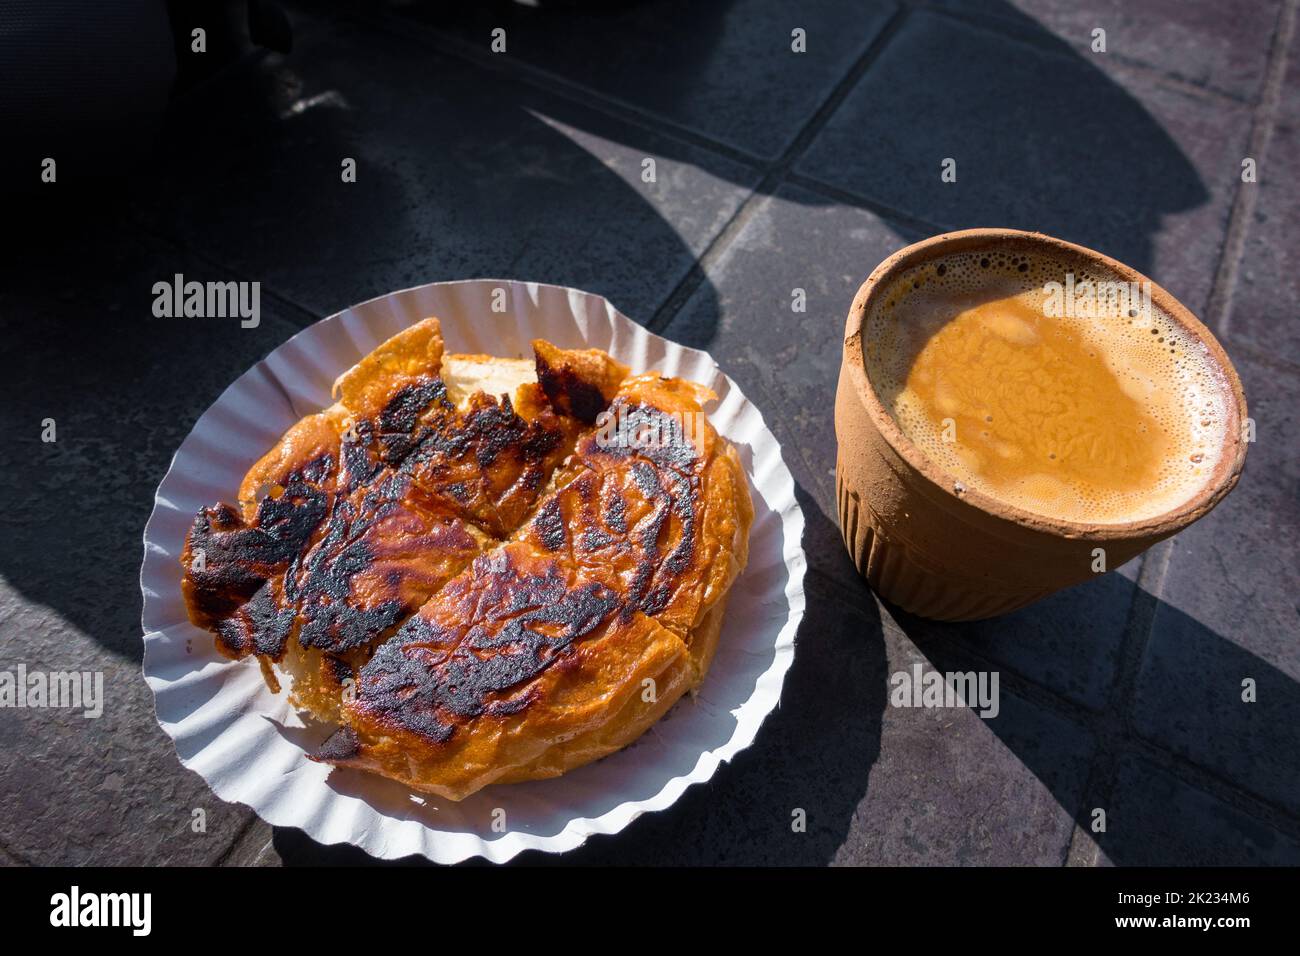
249	745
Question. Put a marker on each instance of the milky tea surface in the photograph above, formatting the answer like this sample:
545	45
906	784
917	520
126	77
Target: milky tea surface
1067	395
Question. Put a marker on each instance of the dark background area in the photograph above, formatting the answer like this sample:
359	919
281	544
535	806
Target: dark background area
776	171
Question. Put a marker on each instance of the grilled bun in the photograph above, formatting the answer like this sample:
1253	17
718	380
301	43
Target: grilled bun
484	569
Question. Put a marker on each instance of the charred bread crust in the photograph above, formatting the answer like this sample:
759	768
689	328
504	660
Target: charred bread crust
578	382
408	361
486	462
636	547
655	504
480	583
508	661
359	513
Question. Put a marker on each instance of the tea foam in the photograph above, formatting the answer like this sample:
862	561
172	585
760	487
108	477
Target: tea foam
1165	370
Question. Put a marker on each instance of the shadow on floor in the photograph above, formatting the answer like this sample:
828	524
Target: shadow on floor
461	167
813	754
466	180
1044	139
1153	817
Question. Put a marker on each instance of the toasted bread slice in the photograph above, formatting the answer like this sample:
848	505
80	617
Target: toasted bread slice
410	359
360	512
566	643
578	382
514	664
653	503
486	569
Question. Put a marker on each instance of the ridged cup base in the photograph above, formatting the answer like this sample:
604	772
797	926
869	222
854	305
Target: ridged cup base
897	574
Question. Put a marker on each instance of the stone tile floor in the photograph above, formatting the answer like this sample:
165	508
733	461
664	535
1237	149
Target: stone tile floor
776	171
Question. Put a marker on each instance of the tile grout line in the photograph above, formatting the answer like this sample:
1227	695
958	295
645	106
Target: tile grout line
617	108
1110	742
1007	29
660	125
842	194
1213	783
1270	360
1140	625
1111	736
775	174
780	172
762	193
283	301
224	856
656	124
1111	745
1111	728
1117	736
1098	791
519	70
622	111
1219	311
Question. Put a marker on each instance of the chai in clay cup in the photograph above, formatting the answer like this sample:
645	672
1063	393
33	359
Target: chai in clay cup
940	550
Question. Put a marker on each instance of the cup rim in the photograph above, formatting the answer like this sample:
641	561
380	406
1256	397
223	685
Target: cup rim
1217	484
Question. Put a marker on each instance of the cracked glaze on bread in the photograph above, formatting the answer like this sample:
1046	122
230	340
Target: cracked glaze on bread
480	586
